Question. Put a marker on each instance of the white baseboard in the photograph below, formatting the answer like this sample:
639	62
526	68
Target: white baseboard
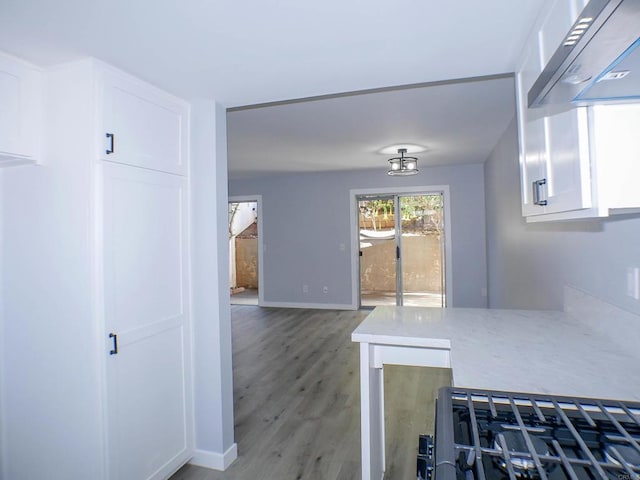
215	461
321	306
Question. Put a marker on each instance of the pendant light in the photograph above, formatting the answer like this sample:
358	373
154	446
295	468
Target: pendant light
403	165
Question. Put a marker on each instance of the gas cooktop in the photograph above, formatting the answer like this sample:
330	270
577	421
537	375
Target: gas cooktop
487	435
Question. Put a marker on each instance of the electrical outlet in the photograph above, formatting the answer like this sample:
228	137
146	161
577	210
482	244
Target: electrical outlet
305	288
325	289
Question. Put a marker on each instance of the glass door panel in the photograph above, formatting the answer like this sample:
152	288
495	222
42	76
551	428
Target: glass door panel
421	245
377	234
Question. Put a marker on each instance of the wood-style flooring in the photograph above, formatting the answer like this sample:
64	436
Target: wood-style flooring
297	399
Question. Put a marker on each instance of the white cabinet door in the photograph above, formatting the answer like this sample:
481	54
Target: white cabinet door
568	177
144	264
143	126
20	110
568	161
531	130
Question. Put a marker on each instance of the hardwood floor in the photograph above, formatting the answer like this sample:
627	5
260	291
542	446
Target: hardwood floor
297	399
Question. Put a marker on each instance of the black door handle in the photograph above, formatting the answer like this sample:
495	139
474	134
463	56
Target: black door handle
114	351
537	195
111	149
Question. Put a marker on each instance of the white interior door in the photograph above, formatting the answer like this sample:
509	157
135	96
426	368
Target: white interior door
146	307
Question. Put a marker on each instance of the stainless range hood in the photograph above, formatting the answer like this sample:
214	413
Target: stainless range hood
598	60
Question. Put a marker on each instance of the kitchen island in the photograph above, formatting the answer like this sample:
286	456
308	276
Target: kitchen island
511	350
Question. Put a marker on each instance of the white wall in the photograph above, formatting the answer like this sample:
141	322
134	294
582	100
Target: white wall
528	264
213	382
52	392
306	219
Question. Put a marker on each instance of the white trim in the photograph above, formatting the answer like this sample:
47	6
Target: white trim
448	249
589	213
355	247
355	274
213	460
321	306
258	200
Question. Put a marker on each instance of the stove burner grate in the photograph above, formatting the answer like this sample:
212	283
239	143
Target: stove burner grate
506	435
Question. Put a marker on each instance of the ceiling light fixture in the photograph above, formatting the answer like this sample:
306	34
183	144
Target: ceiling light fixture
403	165
409	148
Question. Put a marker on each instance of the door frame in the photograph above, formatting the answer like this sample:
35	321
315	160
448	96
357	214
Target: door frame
258	200
355	240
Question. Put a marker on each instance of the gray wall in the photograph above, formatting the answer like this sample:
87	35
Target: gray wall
529	264
306	218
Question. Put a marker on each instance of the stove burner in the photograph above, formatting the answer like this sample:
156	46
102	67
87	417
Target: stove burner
523	465
629	455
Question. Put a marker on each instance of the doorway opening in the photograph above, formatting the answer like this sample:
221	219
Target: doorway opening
245	251
401	249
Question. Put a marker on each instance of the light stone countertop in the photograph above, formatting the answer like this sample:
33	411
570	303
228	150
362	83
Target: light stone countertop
513	350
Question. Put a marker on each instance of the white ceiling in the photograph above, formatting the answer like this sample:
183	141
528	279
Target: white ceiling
250	52
458	123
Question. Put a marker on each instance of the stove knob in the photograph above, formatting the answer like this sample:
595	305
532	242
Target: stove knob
425	445
425	468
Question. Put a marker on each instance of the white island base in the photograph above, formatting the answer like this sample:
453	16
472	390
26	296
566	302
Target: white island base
372	358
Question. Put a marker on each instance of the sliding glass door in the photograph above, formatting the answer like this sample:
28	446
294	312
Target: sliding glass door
401	250
421	257
378	250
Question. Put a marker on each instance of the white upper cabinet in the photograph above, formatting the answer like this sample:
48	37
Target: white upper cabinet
563	149
21	107
531	132
567	175
142	126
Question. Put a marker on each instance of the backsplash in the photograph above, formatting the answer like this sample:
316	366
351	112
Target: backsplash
612	322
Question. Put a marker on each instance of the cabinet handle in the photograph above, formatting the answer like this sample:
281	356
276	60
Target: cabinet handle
114	351
111	149
537	197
